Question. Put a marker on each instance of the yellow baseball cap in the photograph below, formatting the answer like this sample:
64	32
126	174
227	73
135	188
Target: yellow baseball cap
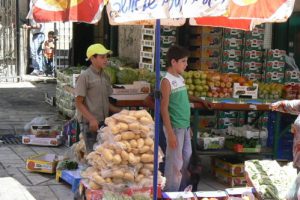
96	49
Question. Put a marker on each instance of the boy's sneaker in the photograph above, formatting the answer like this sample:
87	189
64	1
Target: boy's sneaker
34	73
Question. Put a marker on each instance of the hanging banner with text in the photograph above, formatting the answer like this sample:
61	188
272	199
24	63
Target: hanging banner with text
120	11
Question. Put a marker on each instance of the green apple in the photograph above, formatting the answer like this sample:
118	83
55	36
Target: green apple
190	74
198	88
189	81
185	75
196	74
203	76
191	93
205	87
197	94
203	94
191	87
197	81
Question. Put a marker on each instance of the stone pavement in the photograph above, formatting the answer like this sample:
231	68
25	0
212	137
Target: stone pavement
19	104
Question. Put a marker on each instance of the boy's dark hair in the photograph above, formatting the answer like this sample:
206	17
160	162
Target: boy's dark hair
51	33
176	52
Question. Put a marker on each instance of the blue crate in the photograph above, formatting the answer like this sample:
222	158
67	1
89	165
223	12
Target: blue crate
72	177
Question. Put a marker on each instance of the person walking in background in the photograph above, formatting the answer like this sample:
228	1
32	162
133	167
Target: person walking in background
36	45
49	50
92	93
291	107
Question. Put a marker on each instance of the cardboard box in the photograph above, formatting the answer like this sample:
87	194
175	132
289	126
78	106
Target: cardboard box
275	66
230	33
45	163
253	76
254	44
252	67
291	76
231	67
233	43
41	130
233	167
207	143
275	54
240	91
138	87
232	55
274	77
253	56
229	180
33	140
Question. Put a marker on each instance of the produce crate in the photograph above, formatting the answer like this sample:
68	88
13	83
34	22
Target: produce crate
238	192
229	180
33	140
45	163
241	149
232	166
206	143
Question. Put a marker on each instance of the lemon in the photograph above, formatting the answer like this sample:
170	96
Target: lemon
63	4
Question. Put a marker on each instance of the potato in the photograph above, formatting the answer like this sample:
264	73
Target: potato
133	143
149	141
124	155
146	121
140	143
117	159
128	135
132	113
135	151
134	126
117	173
146	172
131	158
110	121
123	126
145	129
147	158
125	112
115	129
137	136
117	180
93	185
149	166
139	177
98	179
144	149
142	113
118	137
108	180
107	155
124	162
129	176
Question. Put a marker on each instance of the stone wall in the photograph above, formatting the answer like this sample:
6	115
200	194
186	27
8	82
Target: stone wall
130	42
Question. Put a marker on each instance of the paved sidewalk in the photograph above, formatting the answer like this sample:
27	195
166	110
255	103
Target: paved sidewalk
19	104
41	186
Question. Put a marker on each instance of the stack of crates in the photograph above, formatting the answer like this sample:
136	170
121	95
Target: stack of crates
232	56
205	48
253	62
167	39
147	53
274	66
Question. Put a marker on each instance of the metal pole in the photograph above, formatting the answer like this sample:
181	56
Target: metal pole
18	39
157	105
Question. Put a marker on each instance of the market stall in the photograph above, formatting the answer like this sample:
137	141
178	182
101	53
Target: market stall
152	12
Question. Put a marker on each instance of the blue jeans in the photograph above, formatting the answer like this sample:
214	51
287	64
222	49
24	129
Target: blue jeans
36	50
49	66
177	161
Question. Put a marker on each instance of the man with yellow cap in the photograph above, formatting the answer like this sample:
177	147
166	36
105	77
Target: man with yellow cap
92	93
